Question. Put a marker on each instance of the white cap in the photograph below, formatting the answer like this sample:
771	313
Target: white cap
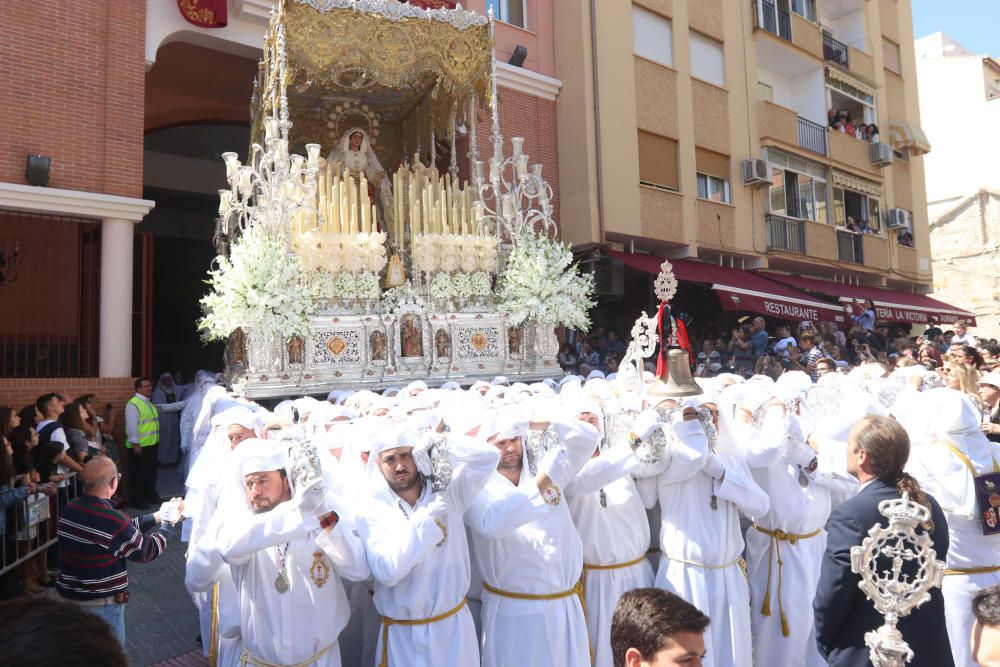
257	455
992	379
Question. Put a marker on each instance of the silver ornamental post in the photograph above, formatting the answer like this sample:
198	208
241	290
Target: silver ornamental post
896	593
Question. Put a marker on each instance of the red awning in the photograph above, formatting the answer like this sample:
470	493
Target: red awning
890	305
741	290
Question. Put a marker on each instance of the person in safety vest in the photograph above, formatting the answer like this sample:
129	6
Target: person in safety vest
142	434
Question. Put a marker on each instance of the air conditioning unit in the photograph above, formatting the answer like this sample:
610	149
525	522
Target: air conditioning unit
900	218
756	172
880	154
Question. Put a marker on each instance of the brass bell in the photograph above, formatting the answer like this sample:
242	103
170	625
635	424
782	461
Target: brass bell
679	381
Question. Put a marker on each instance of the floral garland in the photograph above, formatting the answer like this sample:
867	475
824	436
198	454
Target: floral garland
259	287
541	284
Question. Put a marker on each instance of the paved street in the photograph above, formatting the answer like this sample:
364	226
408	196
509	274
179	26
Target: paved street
160	621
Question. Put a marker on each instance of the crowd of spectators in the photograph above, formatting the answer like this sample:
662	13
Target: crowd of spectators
601	351
42	445
843	121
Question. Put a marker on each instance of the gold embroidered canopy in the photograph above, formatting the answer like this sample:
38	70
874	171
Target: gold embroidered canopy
403	73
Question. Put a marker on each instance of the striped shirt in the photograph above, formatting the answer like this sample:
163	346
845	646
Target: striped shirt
94	541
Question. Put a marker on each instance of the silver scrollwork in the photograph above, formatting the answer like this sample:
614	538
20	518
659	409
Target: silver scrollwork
898	569
442	467
537	445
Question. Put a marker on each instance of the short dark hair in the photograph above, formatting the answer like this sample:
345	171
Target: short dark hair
807	336
986	605
646	618
139	381
827	361
44	401
82	638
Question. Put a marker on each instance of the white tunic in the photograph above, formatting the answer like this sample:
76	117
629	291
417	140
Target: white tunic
801	510
421	573
287	628
612	534
945	476
700	547
524	545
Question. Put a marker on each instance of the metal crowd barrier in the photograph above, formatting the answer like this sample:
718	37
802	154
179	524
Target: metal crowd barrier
31	523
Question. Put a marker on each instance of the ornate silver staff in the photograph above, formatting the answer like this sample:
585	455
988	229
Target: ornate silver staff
896	593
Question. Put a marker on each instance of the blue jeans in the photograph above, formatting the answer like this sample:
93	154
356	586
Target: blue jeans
113	615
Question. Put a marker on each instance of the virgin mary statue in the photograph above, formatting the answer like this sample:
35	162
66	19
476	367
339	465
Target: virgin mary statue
354	152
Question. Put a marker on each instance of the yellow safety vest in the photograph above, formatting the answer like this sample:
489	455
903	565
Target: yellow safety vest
149	422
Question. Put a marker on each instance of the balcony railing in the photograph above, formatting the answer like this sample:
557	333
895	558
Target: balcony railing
785	233
775	21
812	136
850	247
834	50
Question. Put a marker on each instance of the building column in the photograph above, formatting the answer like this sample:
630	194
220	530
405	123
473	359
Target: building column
116	298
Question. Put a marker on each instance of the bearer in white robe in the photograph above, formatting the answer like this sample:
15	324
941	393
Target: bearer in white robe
785	545
417	549
610	515
945	460
287	555
701	543
528	552
206	575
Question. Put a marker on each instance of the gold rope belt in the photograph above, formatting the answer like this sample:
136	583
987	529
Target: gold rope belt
777	537
739	561
614	566
248	658
577	590
213	648
386	622
972	570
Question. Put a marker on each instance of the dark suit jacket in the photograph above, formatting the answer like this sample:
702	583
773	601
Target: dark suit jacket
844	614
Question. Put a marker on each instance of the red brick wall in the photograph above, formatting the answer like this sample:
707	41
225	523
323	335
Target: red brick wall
522	115
20	392
73	90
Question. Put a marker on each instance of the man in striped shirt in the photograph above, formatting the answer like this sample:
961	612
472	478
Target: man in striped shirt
95	540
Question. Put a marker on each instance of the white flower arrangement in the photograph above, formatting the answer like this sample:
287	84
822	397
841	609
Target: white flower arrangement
320	284
367	285
461	285
468	255
541	284
441	286
345	286
259	287
479	283
390	299
449	252
486	253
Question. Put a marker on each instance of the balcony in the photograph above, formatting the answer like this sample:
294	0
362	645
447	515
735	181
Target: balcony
850	247
812	136
835	51
852	152
785	234
775	21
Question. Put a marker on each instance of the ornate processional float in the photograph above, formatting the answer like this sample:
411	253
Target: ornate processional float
357	248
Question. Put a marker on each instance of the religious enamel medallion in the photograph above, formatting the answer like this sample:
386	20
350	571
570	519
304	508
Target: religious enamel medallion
319	571
336	345
478	341
281	583
552	495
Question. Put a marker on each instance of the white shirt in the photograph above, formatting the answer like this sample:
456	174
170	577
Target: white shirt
966	339
58	435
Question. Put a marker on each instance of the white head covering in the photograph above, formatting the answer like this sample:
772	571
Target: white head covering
451	385
239	415
500	380
258	455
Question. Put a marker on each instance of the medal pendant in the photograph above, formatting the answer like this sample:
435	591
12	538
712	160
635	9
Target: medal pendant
604	499
714	503
803	480
281	583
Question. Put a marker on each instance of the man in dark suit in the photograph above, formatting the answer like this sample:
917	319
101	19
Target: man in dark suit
877	450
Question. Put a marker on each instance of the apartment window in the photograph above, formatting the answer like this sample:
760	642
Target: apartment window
844	96
652	36
890	56
713	175
804	8
657	161
707	62
799	188
514	12
857	208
